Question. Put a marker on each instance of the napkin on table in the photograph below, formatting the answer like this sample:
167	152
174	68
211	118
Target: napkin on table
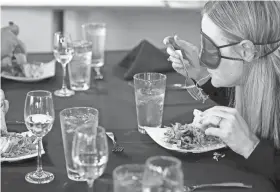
145	57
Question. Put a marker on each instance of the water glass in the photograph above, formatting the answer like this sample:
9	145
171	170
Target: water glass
79	68
70	120
96	33
90	152
128	178
149	97
163	173
39	117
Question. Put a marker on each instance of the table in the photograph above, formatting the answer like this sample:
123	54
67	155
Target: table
114	99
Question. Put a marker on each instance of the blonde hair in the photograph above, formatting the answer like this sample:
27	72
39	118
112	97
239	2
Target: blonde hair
258	99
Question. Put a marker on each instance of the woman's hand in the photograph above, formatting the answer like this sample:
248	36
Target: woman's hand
180	64
3	111
231	128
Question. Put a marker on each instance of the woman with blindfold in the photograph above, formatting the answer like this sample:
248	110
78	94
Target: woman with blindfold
240	49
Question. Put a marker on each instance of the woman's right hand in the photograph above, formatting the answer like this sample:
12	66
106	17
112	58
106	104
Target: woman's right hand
189	66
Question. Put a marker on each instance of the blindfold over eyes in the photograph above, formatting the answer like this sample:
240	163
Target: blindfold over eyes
210	55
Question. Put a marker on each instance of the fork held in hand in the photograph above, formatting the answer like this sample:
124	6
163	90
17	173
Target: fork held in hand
116	147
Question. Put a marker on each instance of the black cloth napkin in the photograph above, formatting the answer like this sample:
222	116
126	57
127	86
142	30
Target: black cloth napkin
145	57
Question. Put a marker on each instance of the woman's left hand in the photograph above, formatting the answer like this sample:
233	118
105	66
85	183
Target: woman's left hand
227	124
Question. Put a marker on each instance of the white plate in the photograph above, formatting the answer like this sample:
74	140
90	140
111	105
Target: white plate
35	154
157	134
49	71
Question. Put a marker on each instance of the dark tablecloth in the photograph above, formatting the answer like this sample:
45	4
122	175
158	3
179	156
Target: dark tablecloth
115	100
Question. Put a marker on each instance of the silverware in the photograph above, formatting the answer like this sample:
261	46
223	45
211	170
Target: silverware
175	86
15	122
226	184
116	147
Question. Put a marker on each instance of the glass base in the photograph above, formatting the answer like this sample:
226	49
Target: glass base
141	130
64	93
39	178
98	75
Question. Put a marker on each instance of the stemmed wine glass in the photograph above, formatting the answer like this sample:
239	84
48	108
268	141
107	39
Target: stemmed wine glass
39	117
90	152
63	53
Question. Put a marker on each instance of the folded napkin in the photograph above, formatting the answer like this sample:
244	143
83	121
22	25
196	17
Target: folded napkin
145	57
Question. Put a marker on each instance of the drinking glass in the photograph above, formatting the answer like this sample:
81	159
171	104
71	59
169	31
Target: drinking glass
149	97
163	173
79	68
63	53
90	152
70	120
39	117
96	33
128	178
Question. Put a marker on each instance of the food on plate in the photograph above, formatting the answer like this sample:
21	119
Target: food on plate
13	145
190	136
13	60
28	70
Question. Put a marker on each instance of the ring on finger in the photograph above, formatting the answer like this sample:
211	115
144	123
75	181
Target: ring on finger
219	122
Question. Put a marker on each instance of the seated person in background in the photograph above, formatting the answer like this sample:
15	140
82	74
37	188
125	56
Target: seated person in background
13	51
240	49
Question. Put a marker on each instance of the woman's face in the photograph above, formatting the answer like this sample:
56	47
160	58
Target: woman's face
229	73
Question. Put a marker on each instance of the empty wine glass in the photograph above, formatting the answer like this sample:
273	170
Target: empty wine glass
90	152
39	117
63	53
163	173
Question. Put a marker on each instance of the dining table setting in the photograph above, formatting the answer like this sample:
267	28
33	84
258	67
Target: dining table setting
118	127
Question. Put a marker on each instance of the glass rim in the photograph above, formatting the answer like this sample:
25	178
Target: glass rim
162	76
63	33
73	108
178	163
120	167
83	41
102	24
48	93
99	130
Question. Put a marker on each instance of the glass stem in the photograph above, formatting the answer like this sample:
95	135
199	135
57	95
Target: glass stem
39	158
90	185
64	77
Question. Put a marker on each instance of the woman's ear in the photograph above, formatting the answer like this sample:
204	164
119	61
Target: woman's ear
246	50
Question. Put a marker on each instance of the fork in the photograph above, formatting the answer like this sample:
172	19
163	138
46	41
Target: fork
116	147
226	184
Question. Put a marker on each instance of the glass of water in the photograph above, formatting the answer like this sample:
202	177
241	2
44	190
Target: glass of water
96	33
79	68
63	53
90	152
70	120
149	97
128	178
163	173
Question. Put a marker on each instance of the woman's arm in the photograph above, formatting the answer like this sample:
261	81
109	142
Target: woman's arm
262	160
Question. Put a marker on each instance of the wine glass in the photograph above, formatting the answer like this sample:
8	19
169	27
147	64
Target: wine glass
39	117
163	173
63	53
90	152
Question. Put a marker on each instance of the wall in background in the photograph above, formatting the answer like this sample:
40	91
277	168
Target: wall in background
126	27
